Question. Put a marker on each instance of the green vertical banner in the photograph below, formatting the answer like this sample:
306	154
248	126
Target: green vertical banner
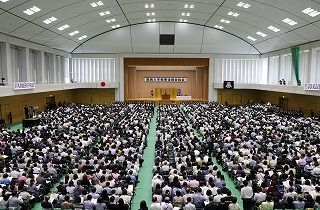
295	63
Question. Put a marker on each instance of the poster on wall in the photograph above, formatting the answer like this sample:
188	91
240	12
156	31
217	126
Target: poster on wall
228	85
165	79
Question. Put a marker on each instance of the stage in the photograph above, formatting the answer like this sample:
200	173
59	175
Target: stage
30	122
160	101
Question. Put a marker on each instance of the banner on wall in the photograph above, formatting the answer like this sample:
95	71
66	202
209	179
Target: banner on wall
165	79
228	84
24	85
312	86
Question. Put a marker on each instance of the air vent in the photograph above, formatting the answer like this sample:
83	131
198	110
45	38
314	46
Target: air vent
166	39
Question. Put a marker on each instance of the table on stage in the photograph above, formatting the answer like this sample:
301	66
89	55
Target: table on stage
184	98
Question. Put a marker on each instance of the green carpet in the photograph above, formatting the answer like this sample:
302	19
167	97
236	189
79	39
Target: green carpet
15	126
143	190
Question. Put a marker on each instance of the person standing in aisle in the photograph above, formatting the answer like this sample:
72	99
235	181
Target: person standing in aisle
246	194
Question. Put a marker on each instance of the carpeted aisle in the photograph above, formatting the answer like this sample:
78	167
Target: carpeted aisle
143	189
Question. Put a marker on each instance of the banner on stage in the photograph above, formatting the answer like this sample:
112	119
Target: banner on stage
24	85
165	79
312	86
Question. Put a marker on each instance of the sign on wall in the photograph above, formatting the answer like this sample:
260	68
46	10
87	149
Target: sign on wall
24	85
312	86
165	79
228	85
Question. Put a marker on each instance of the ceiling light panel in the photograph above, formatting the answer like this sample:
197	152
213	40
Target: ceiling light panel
183	20
244	5
82	37
251	38
261	34
4	0
50	20
147	6
104	13
225	21
185	14
219	27
234	14
111	20
272	28
311	12
32	10
73	33
115	26
289	21
151	20
150	14
189	6
97	4
63	27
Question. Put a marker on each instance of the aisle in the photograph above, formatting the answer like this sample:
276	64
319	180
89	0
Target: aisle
229	182
143	189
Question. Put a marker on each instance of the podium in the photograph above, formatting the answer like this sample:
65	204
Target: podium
30	122
159	92
165	97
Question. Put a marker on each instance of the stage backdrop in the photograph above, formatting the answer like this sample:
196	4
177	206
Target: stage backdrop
194	70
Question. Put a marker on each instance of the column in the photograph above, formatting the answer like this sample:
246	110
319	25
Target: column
6	62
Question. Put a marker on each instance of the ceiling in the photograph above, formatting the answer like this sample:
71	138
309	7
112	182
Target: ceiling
135	34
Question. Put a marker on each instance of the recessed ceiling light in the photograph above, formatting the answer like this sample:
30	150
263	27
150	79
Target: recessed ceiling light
189	6
95	4
73	33
219	27
251	38
244	5
104	13
234	14
151	20
63	27
4	0
185	14
82	37
32	10
272	28
261	34
49	20
148	6
289	21
181	20
225	21
115	26
311	12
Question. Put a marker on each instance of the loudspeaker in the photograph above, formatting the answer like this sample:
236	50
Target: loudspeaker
166	39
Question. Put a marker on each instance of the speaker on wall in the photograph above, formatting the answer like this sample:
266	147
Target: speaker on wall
166	39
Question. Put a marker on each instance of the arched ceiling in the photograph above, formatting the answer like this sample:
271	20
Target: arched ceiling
199	26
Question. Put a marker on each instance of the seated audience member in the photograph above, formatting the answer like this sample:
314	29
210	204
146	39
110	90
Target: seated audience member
166	205
14	201
156	205
46	204
100	205
66	204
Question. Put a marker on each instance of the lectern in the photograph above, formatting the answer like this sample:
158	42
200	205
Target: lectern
165	97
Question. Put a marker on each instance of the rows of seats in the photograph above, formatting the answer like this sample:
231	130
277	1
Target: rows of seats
97	147
271	154
190	181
